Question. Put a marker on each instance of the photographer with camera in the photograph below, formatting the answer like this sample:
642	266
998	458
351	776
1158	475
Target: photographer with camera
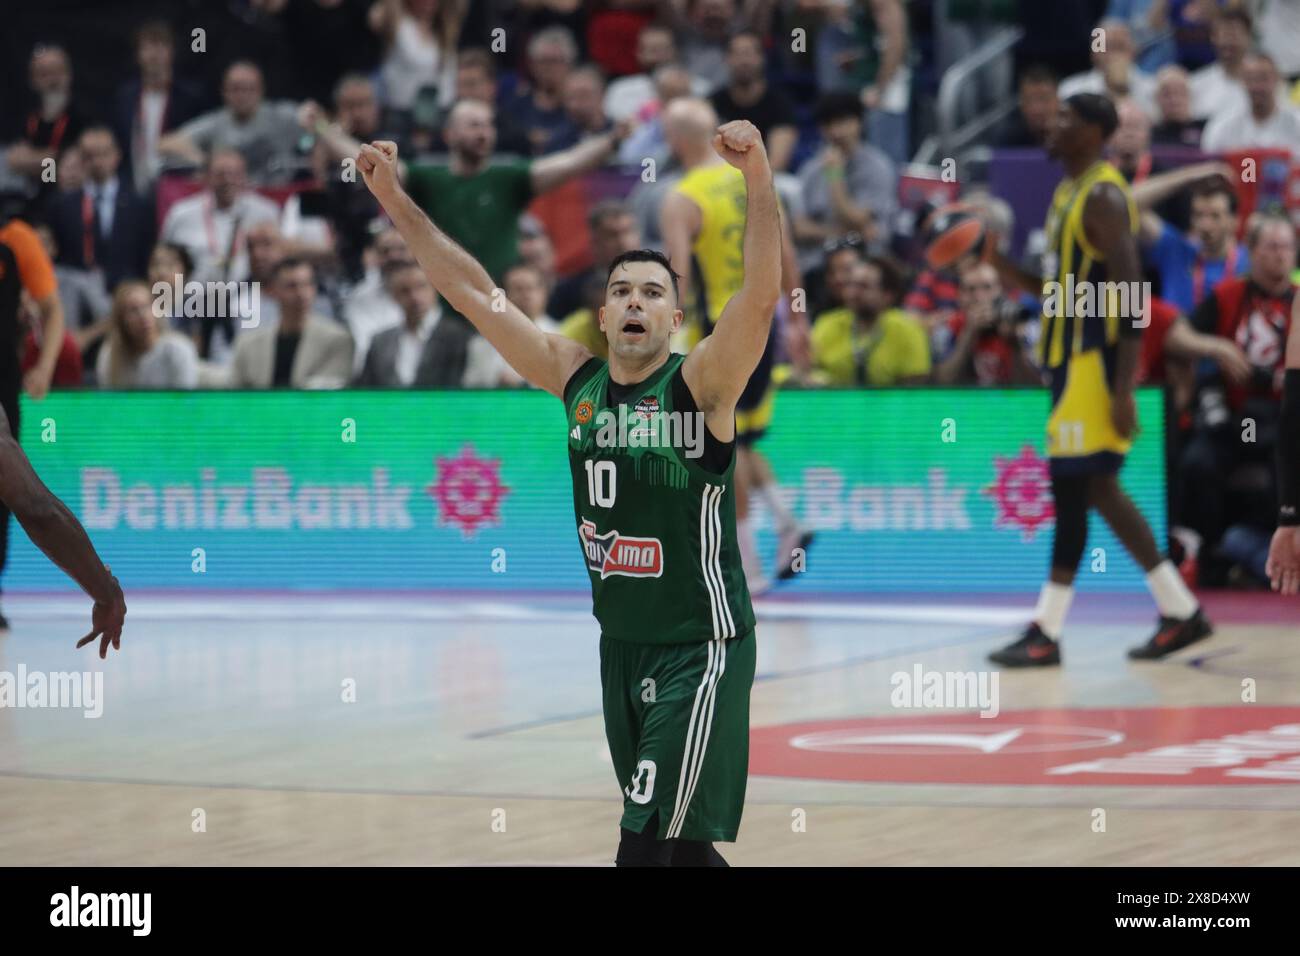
987	341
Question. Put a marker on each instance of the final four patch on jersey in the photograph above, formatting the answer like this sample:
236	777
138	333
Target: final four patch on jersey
647	407
583	412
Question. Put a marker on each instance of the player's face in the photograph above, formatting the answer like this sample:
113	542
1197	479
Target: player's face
1063	135
640	313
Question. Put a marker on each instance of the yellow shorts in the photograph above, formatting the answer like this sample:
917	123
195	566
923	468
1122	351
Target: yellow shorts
1081	438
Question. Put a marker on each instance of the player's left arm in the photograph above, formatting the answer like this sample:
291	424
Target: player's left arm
718	368
1108	224
1283	567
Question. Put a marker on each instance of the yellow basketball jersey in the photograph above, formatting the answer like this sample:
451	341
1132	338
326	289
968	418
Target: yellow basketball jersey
719	190
1070	262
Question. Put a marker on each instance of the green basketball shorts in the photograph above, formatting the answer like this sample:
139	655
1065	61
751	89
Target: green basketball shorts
677	722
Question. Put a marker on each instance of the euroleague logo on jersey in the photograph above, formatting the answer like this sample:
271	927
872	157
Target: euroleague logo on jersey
613	554
583	412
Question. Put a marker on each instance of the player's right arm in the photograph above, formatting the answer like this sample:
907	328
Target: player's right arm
56	531
1283	567
546	361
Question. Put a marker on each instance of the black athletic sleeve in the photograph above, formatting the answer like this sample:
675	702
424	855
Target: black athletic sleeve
585	371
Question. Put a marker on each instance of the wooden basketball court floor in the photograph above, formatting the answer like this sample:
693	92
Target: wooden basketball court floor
475	736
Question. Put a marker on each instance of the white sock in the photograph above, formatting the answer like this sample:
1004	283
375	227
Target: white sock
1053	604
1171	593
749	560
782	518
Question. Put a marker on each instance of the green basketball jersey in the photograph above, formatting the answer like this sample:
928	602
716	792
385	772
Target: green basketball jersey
658	532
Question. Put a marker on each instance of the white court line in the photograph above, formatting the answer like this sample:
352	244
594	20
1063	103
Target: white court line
435	608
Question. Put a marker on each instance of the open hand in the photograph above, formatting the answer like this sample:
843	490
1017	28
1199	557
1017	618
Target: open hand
1283	566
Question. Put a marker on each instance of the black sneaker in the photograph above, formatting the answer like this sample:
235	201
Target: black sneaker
1172	635
1034	649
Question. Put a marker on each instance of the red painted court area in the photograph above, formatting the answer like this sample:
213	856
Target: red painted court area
1190	746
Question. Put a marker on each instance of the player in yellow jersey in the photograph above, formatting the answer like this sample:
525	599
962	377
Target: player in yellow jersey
1092	335
703	225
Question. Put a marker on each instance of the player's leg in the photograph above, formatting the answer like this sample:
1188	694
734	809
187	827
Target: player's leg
1181	620
620	662
1039	644
710	795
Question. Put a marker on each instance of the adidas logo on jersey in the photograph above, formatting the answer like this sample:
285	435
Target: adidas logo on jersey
612	553
575	433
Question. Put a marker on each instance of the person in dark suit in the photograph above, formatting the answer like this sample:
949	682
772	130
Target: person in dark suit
152	104
104	225
429	349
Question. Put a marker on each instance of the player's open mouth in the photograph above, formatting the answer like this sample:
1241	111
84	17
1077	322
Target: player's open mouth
633	327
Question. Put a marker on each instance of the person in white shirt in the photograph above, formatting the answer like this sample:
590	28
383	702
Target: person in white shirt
213	224
140	352
420	38
395	355
525	286
1279	34
1114	70
1266	121
1217	86
369	307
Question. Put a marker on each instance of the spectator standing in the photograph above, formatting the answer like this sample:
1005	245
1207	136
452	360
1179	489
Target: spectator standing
1267	119
747	95
420	38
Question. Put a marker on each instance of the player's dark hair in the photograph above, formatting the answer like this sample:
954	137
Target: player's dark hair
836	106
1217	186
644	255
1096	110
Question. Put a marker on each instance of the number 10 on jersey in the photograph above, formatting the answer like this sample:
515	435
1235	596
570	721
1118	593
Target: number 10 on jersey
601	480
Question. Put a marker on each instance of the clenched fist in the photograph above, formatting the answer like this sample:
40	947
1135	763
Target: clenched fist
740	144
378	164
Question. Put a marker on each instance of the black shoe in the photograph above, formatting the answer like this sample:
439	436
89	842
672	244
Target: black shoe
1034	649
1173	635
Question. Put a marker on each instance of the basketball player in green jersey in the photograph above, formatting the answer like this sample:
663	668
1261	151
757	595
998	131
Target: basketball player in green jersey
1090	358
651	438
